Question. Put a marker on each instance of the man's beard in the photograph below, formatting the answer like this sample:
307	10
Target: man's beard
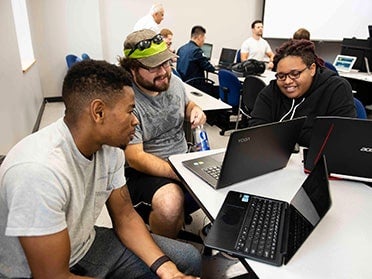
152	86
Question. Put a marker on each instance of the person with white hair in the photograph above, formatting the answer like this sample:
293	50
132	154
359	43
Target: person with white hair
152	19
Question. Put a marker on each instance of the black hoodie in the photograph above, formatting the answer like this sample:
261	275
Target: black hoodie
328	95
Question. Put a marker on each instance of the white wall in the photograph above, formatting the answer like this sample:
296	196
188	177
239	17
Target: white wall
97	27
21	93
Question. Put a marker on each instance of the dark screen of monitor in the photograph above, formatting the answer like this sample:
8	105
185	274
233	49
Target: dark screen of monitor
207	50
360	49
227	55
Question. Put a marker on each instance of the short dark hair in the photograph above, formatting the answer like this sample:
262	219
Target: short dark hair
197	30
301	48
301	33
255	22
91	79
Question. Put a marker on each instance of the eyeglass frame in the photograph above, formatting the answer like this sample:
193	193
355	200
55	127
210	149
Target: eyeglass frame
166	64
145	44
296	73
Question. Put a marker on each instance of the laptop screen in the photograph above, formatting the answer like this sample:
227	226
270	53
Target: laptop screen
308	207
227	56
207	50
344	63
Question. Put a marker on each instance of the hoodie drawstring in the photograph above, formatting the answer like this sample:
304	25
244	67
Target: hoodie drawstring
292	109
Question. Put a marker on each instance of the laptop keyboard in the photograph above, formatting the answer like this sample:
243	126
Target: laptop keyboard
260	232
213	171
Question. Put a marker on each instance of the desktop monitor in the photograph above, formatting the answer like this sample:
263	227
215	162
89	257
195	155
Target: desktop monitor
359	48
207	50
370	31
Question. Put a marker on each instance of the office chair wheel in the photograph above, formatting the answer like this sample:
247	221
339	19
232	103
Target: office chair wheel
222	133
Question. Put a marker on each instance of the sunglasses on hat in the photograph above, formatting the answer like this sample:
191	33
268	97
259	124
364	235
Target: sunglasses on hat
144	44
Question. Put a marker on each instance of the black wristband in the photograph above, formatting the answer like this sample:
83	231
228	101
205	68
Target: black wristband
154	267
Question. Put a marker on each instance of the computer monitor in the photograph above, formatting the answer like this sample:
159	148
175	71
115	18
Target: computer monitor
207	50
359	48
370	31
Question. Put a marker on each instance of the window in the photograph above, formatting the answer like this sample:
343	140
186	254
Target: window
22	26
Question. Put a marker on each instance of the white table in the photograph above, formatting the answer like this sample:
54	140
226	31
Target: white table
338	247
266	76
203	100
357	75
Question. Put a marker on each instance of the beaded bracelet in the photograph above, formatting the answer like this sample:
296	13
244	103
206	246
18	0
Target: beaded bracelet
154	267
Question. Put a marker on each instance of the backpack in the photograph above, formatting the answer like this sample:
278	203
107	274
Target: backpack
249	67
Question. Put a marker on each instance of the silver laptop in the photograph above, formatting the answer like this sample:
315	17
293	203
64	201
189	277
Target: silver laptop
347	145
250	152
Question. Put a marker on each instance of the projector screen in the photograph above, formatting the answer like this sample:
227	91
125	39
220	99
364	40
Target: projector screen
327	20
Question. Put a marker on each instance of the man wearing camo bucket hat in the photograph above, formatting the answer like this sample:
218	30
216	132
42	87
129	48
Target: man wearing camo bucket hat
161	107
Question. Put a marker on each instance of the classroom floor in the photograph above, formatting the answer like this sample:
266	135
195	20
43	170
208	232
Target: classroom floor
215	266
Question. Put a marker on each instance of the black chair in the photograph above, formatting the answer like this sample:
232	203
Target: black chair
230	93
204	84
252	85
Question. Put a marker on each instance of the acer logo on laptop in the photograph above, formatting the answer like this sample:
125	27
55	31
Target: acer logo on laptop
366	149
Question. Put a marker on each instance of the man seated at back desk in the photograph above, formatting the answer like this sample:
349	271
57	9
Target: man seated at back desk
192	63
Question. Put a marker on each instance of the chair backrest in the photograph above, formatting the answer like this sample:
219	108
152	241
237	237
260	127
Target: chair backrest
229	87
361	111
330	66
71	59
85	56
252	85
238	59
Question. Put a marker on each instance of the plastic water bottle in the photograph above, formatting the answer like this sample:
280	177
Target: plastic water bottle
201	139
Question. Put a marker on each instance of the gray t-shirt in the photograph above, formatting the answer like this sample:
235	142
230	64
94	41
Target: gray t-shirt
47	185
161	120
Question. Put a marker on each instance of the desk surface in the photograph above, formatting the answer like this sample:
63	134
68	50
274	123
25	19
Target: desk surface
266	76
205	101
337	248
357	75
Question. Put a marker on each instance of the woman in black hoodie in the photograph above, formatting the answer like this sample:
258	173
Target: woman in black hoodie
303	87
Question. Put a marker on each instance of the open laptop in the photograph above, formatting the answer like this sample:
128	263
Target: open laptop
344	63
268	230
347	145
207	50
249	153
227	58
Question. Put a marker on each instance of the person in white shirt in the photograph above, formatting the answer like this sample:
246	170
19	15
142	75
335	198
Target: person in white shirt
256	47
152	19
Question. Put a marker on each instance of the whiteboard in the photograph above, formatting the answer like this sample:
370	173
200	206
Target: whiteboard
328	20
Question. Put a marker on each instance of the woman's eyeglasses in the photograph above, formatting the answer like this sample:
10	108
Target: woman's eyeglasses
144	44
295	74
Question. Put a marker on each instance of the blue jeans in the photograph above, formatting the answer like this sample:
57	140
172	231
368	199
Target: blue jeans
108	258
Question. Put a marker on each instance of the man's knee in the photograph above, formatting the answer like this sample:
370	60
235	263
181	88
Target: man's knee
168	199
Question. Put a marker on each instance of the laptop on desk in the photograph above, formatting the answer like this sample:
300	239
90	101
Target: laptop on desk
268	230
347	145
344	63
227	59
250	152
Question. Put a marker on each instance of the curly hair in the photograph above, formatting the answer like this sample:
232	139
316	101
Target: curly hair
301	48
91	79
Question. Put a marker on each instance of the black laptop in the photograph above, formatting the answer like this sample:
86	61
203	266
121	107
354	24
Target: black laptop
267	230
347	145
227	58
249	153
